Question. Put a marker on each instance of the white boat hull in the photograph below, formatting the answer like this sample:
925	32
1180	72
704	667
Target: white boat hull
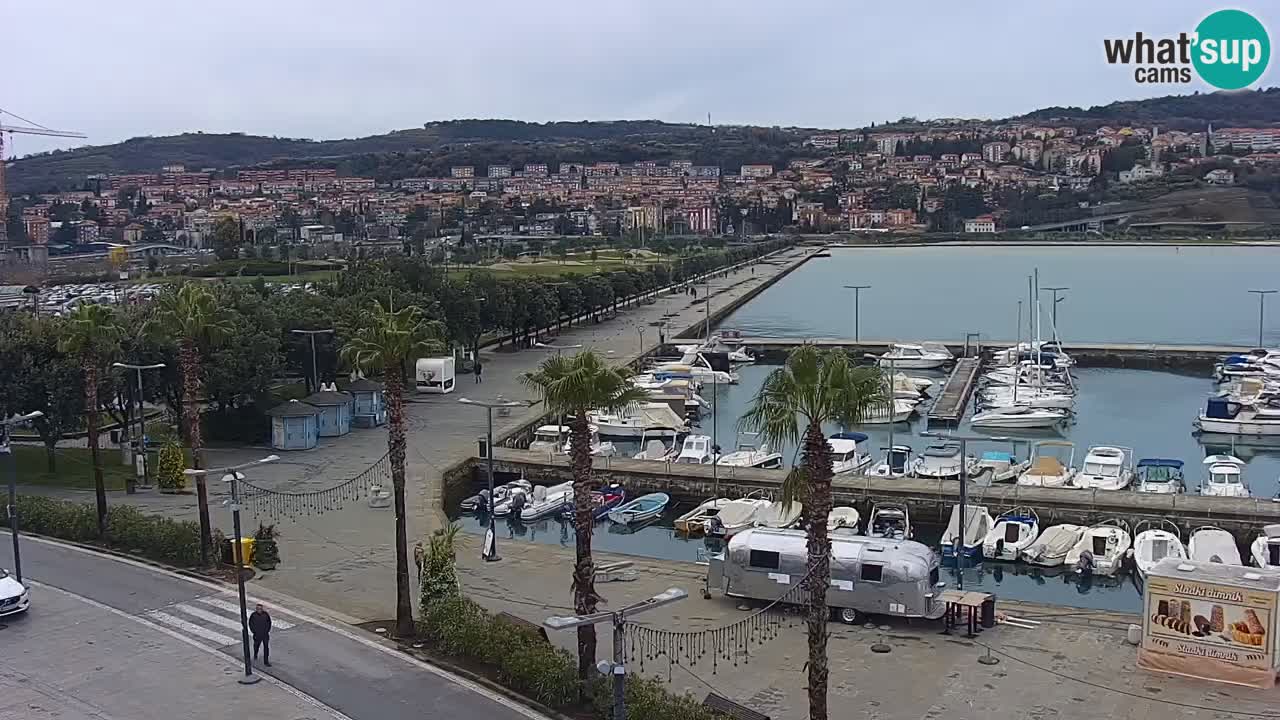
1256	427
1002	420
914	363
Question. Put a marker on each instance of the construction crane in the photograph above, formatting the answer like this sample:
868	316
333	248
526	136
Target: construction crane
31	128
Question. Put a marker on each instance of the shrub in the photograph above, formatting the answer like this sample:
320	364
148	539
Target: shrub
266	551
648	700
169	473
128	529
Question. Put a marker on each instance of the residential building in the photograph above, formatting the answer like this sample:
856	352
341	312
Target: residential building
980	224
535	170
1141	173
758	172
1245	138
462	171
86	231
994	152
499	171
37	230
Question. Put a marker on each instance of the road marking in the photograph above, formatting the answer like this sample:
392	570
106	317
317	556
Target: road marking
217	654
235	608
207	616
191	628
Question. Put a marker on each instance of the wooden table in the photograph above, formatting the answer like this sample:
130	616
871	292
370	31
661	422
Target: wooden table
956	600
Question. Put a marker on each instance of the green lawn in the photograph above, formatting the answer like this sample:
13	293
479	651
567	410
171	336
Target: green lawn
74	468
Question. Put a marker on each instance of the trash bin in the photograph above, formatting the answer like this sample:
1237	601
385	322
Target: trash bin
229	551
989	612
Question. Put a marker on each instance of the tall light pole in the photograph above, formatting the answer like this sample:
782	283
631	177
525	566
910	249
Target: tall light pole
1262	309
490	550
130	486
857	291
5	449
1056	300
957	544
619	620
233	475
315	376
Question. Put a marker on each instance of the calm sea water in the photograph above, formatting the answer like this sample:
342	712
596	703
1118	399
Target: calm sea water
1155	294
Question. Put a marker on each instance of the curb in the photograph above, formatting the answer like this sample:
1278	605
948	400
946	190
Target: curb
90	547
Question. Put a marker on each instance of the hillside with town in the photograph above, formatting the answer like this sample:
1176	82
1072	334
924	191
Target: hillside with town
1058	169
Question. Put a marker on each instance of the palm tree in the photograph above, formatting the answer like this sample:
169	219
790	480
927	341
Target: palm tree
92	334
572	386
192	317
814	387
384	341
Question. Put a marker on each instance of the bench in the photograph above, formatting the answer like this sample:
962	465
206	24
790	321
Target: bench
524	625
724	706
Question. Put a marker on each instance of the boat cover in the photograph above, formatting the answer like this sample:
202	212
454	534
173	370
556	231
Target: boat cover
854	436
976	521
997	456
1047	465
1159	462
1059	539
738	512
777	517
1214	545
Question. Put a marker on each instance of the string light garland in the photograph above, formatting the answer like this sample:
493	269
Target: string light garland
277	504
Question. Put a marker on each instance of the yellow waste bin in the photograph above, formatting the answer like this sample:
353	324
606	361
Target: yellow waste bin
246	548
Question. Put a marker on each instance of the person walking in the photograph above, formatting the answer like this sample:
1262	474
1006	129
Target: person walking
479	371
260	628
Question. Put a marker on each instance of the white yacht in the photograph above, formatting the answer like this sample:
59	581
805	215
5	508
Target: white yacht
1265	550
901	412
897	463
1154	544
1225	478
846	453
748	455
653	446
549	438
1213	545
998	466
889	520
1231	417
1013	532
715	344
1018	416
1053	545
1101	549
1106	468
1160	476
942	461
925	356
696	450
639	420
1047	467
1032	397
1048	350
845	519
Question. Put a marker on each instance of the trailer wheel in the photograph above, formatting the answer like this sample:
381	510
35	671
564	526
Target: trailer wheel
848	616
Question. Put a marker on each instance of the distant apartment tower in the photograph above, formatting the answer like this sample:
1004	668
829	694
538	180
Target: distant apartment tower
756	171
1250	138
980	224
499	171
37	230
174	168
462	171
994	152
536	170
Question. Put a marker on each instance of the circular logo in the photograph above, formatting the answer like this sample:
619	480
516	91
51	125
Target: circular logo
1232	49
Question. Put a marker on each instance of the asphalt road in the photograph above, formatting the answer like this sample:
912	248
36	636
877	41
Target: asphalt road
337	666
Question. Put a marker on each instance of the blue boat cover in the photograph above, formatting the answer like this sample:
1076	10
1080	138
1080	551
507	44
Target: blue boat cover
997	456
1237	360
854	436
1159	462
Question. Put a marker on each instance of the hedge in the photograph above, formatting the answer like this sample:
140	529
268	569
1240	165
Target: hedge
176	542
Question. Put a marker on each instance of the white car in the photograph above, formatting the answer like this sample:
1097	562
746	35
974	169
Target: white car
13	595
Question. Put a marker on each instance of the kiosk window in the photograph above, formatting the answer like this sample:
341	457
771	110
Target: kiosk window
764	559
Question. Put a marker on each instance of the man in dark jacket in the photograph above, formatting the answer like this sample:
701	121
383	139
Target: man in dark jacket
260	628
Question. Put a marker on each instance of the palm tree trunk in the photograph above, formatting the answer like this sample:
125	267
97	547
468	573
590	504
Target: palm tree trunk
584	572
190	362
91	423
816	459
396	448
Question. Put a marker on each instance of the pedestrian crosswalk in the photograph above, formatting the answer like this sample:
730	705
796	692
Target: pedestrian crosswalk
213	619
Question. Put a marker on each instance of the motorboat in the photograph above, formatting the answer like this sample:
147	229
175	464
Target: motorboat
694	522
1018	416
1153	544
1046	349
546	501
639	420
696	450
1101	549
748	455
977	525
598	448
1053	545
735	516
1105	468
904	388
998	466
1228	416
942	461
640	510
779	515
716	344
653	447
1160	476
696	366
897	461
513	503
549	438
605	500
1046	467
1265	550
922	384
901	411
1028	373
1226	477
925	356
891	521
1004	396
480	501
845	519
1013	531
846	453
1213	545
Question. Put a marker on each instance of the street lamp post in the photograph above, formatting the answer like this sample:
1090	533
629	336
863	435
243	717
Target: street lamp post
490	550
1056	300
957	544
618	619
857	291
233	475
131	485
1262	309
12	509
315	376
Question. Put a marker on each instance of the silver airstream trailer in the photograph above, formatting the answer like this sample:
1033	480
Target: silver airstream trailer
868	575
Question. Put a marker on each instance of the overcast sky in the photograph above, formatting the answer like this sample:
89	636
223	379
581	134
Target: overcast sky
334	68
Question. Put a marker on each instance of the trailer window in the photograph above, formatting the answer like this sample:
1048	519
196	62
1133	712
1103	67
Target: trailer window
871	573
765	559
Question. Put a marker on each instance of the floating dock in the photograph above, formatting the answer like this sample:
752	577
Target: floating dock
951	404
929	500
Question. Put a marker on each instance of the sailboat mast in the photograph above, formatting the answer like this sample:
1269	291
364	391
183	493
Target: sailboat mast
893	377
1036	295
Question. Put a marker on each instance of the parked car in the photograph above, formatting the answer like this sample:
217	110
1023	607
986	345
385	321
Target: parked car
14	598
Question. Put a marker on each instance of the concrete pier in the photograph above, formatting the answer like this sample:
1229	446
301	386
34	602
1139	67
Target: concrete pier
930	501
